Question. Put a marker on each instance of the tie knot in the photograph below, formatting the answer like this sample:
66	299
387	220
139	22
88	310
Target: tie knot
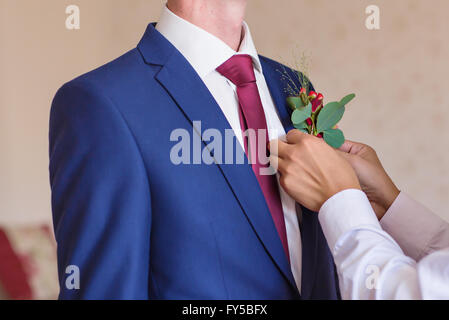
238	69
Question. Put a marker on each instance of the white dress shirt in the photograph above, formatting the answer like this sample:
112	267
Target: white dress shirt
206	53
371	263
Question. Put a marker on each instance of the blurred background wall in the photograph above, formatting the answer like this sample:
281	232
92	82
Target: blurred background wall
400	74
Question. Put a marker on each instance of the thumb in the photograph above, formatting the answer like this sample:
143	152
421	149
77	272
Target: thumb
294	136
351	147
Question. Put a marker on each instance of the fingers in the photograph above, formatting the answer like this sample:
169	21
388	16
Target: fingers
295	136
277	163
346	147
351	147
278	148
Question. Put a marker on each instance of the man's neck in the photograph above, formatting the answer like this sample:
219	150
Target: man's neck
223	19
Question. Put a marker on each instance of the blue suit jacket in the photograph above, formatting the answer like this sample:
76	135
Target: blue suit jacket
139	227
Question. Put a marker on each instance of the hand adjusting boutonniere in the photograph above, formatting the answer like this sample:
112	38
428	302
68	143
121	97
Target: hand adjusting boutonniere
311	116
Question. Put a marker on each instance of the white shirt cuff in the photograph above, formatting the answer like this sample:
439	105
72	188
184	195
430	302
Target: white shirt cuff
346	211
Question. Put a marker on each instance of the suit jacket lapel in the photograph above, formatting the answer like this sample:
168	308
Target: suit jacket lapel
277	90
196	102
309	236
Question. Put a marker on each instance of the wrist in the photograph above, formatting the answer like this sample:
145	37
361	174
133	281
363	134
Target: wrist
337	190
389	196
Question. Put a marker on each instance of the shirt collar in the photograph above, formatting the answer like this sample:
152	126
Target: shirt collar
203	51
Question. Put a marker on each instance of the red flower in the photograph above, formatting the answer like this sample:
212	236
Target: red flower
317	102
312	95
309	122
319	135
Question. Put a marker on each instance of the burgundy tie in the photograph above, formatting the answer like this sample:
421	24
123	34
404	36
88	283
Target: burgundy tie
239	70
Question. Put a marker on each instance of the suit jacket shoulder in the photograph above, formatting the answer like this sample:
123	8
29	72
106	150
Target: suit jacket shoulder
109	76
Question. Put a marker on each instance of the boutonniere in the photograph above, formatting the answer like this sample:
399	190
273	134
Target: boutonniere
312	116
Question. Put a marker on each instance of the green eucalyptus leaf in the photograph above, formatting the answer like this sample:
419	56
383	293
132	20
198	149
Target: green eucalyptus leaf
329	116
301	114
294	102
347	99
334	137
302	125
308	109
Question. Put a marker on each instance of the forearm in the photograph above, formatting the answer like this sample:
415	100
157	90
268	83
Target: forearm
369	263
371	266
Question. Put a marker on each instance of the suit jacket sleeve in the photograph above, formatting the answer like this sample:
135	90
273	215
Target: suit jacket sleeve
417	230
100	197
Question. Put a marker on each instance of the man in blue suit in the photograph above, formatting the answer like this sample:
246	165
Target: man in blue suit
136	224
